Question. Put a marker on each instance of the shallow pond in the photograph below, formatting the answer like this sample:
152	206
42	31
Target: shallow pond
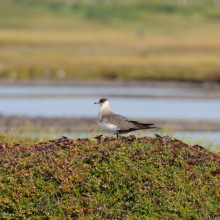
129	107
105	91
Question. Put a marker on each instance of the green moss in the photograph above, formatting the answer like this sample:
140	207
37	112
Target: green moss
131	177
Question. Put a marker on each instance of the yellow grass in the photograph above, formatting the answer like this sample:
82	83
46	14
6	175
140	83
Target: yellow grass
177	47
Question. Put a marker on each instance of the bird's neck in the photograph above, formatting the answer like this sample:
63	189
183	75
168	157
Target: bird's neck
104	109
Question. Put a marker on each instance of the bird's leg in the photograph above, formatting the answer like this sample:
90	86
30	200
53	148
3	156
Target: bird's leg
117	136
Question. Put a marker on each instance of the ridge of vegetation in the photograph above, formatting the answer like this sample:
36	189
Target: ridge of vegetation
108	178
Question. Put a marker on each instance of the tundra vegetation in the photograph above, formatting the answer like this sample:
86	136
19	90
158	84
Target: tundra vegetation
92	39
108	178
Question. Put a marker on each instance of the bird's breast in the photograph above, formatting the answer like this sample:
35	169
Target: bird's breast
108	127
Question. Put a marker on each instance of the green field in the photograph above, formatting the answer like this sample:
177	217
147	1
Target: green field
134	40
105	178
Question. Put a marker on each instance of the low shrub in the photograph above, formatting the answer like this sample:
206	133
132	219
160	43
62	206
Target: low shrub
108	178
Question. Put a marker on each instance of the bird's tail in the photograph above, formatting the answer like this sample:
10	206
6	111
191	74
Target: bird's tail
139	125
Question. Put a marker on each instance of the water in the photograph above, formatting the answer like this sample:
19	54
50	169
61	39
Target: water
42	101
104	91
129	107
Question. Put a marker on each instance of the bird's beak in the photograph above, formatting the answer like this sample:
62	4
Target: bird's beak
96	102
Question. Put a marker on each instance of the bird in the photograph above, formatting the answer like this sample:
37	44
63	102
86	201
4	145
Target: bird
117	124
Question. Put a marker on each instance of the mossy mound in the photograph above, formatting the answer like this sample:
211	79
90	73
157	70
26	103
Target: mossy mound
106	178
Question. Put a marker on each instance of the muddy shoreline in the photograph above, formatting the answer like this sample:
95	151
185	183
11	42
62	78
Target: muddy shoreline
207	90
73	124
202	95
209	85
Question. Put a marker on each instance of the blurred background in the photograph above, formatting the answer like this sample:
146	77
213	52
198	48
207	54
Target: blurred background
155	60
